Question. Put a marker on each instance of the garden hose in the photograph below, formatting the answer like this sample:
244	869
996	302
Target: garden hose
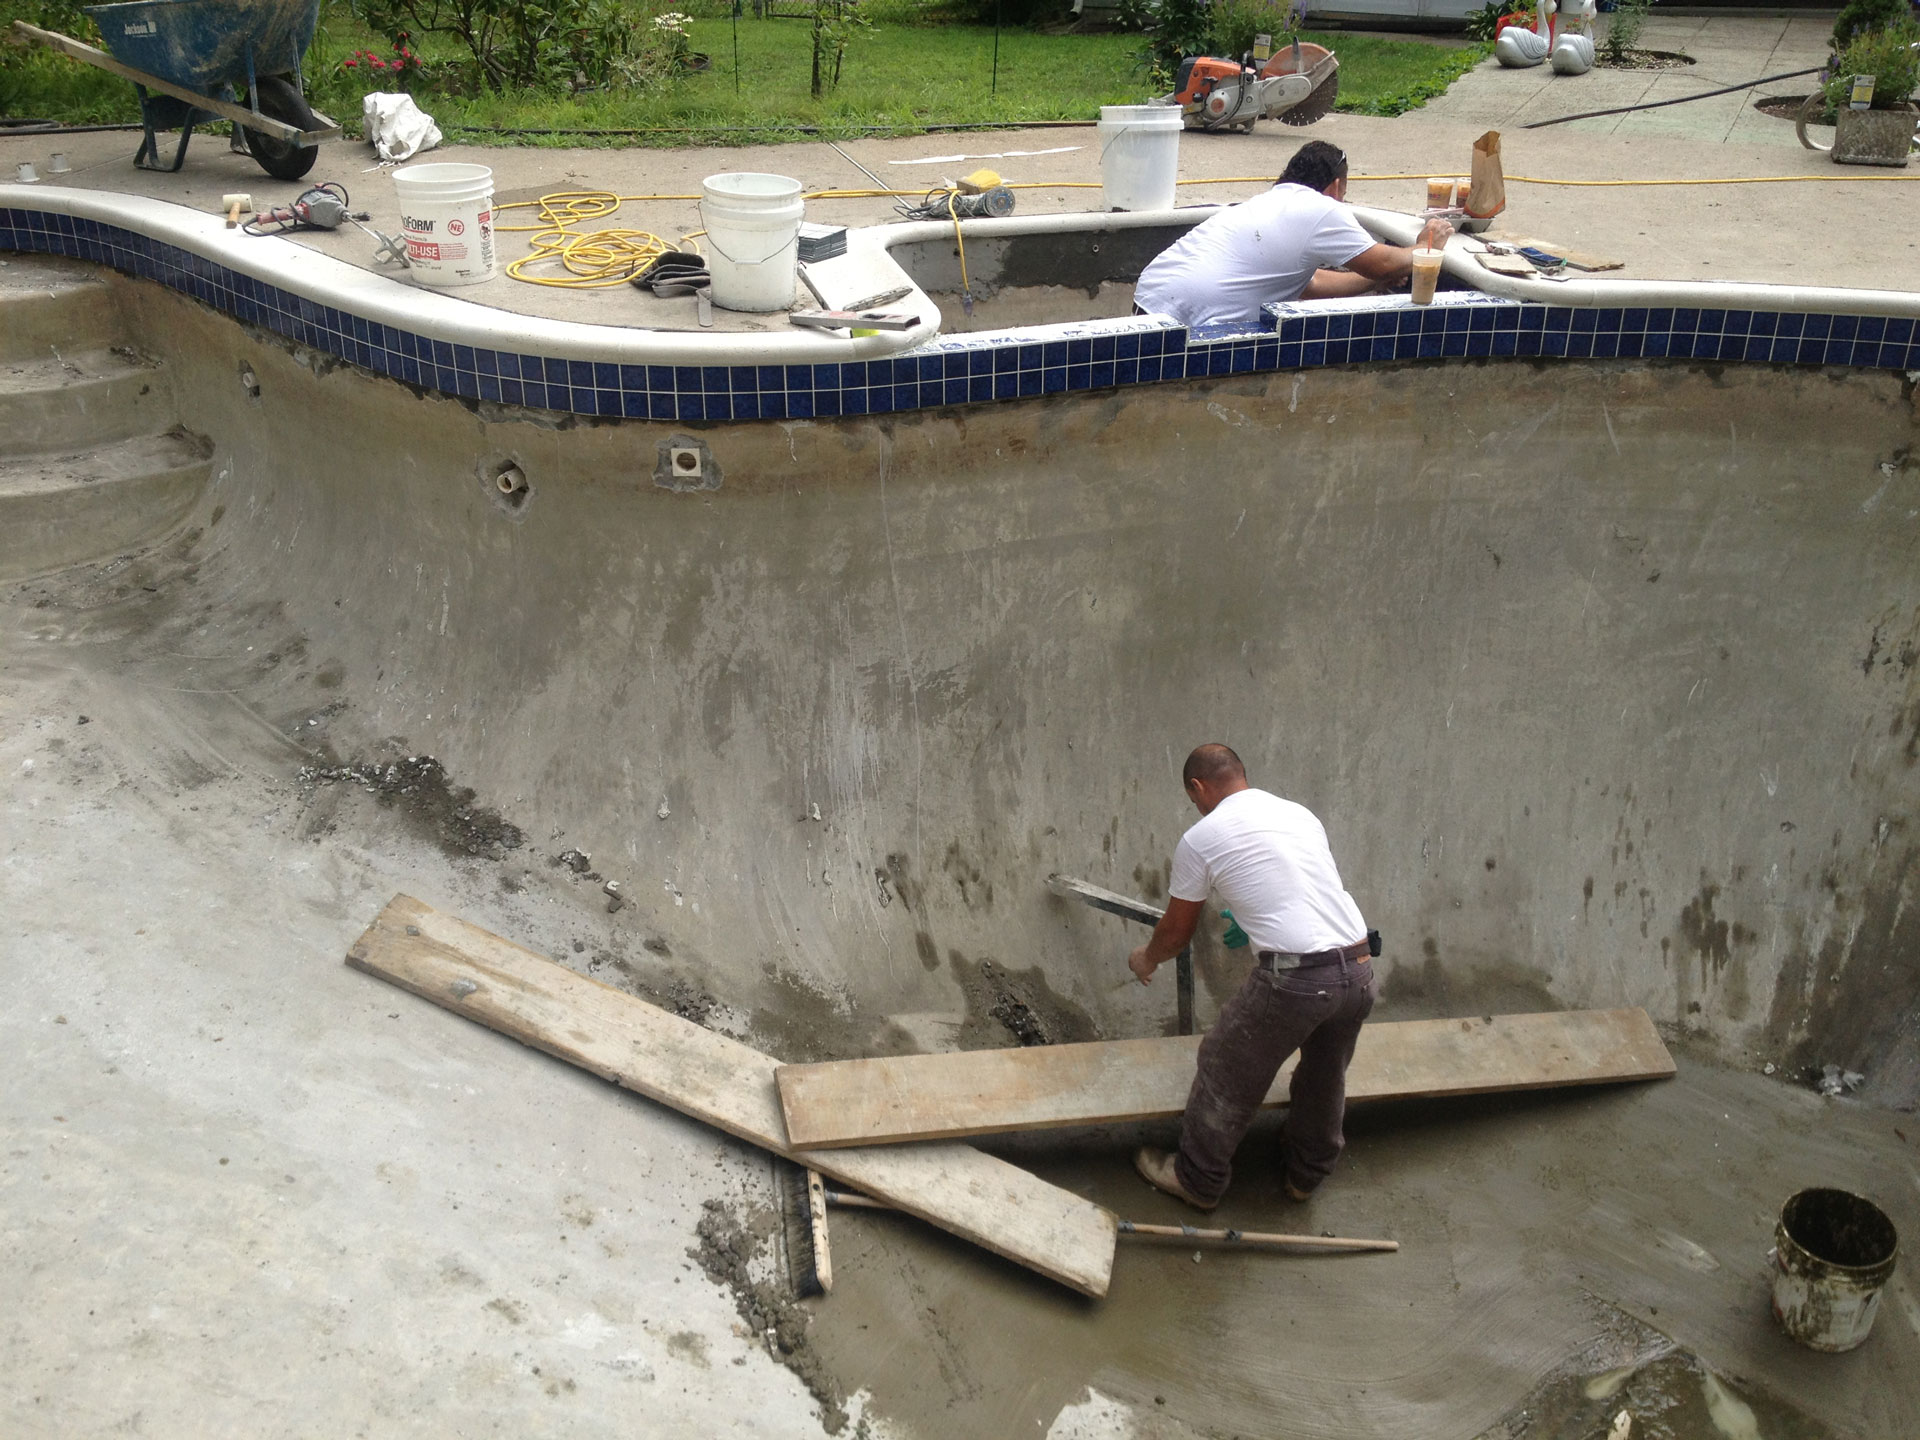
1680	100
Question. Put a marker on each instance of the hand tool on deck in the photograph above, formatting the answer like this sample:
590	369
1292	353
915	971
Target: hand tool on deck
1141	913
853	319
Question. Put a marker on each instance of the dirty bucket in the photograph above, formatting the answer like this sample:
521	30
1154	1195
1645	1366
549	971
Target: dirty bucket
1833	1252
446	215
1139	156
753	238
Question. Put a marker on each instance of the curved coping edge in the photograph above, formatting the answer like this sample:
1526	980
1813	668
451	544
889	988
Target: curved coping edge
465	350
450	317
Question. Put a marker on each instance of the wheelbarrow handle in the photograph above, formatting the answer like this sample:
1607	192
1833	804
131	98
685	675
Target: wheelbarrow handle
226	110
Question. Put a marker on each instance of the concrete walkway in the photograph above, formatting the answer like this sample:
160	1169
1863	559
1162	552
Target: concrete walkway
1726	50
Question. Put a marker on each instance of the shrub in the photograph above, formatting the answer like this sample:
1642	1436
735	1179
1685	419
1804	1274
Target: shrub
1484	24
1887	55
1178	28
1859	16
535	44
1236	22
1624	28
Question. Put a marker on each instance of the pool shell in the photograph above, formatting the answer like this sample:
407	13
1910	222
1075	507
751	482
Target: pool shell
1601	673
970	637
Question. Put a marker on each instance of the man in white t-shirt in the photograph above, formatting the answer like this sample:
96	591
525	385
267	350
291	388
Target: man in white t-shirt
1299	241
1310	990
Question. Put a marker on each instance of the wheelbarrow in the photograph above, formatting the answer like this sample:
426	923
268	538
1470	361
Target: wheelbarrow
191	60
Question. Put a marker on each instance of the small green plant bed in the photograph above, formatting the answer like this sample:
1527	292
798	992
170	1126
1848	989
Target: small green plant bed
899	77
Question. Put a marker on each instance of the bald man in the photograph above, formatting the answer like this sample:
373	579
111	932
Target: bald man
1311	989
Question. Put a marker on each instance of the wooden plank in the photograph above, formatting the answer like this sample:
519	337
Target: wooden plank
987	1092
239	114
725	1083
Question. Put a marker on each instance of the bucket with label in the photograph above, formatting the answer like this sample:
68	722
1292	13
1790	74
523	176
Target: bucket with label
1833	1253
446	216
753	239
1139	156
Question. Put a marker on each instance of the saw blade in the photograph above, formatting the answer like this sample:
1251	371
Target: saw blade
1319	102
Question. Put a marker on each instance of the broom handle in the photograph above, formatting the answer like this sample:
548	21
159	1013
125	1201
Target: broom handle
1176	1232
1256	1237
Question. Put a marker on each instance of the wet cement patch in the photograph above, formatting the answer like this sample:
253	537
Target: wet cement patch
801	1024
1671	1395
728	1248
1014	1007
419	788
1543	1236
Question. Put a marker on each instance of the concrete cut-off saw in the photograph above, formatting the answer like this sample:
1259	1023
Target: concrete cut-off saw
1296	87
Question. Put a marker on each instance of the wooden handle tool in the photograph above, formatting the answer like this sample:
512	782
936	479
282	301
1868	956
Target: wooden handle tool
1256	1238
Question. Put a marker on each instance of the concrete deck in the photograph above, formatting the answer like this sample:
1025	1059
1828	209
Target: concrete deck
1845	226
1726	50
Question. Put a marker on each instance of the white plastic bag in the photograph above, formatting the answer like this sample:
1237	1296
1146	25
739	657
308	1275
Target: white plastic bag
398	128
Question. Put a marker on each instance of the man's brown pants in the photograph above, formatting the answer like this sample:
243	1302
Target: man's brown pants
1317	1011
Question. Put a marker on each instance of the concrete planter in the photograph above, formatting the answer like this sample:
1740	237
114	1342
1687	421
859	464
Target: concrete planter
1863	137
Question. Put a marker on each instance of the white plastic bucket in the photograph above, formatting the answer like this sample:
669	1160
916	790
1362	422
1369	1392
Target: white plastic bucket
446	215
753	238
1139	156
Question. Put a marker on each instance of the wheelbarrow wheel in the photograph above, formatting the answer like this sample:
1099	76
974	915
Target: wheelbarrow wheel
283	159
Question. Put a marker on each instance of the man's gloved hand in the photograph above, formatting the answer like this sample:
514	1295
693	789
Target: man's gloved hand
1235	938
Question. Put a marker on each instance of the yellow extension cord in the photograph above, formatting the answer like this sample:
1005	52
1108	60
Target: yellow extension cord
593	259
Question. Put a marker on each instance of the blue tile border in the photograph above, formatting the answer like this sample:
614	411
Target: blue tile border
997	365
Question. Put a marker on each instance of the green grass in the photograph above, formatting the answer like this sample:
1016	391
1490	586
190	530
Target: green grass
897	76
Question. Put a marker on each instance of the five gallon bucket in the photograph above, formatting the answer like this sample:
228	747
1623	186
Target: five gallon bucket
446	215
1139	156
753	238
1833	1252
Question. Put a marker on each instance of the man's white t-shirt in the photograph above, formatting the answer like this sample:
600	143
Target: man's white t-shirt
1269	860
1255	253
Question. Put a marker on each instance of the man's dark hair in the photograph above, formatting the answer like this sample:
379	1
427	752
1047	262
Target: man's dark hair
1315	165
1213	763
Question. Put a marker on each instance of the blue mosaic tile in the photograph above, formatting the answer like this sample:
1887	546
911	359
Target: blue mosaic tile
976	369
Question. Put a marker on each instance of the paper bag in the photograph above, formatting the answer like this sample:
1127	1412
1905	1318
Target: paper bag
1487	196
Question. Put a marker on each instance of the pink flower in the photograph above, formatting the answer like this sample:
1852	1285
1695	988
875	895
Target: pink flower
351	64
379	64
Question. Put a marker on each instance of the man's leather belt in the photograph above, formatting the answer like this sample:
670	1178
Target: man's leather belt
1283	960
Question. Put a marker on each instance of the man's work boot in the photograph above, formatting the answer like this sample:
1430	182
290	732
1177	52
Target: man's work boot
1156	1168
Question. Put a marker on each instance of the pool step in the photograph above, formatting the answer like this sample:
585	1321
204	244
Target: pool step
59	402
92	462
58	510
48	303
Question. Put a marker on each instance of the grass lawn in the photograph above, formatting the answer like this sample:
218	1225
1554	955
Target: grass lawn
896	76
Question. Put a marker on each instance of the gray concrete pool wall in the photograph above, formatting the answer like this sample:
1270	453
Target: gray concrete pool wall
1601	675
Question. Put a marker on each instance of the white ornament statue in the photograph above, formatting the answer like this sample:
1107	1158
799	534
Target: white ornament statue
1519	49
1572	54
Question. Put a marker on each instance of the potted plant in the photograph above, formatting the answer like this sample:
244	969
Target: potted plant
1883	134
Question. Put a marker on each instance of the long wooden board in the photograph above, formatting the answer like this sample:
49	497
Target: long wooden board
987	1092
727	1084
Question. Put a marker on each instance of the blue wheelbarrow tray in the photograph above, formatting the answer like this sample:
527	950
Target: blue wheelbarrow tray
220	50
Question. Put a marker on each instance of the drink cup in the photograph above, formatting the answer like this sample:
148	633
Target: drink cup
1439	194
1426	275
